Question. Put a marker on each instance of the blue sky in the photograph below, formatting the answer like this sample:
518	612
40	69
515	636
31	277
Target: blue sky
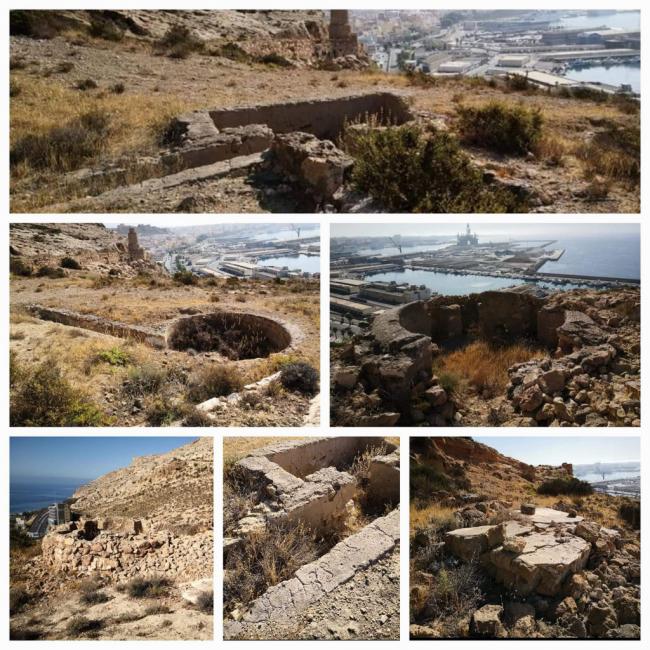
42	458
537	450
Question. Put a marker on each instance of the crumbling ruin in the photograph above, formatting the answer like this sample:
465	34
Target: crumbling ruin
233	335
306	482
289	144
544	556
136	252
95	547
592	341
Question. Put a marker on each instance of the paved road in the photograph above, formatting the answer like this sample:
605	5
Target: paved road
39	527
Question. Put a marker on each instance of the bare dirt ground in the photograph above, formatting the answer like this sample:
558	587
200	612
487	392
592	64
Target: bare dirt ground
78	351
156	88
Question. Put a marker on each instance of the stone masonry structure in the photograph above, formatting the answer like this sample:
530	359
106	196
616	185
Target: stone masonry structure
389	369
83	548
136	252
342	41
306	482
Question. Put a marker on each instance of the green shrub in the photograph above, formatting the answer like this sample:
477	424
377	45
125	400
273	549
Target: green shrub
214	380
65	148
147	587
115	357
145	379
185	277
411	168
568	486
497	126
517	82
300	377
18	267
162	412
40	396
70	263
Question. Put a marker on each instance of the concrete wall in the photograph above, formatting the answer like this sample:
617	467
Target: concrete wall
322	118
310	456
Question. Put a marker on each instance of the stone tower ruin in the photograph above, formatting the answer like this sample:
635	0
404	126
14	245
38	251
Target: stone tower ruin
136	252
342	41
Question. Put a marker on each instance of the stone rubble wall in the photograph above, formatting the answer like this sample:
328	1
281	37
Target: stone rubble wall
97	324
121	556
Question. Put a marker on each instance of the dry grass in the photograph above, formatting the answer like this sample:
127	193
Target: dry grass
483	367
237	447
432	514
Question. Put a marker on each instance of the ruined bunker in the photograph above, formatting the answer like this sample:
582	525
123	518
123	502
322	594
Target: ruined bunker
234	335
312	482
214	135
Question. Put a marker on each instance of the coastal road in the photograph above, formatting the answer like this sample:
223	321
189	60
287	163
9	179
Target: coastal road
39	527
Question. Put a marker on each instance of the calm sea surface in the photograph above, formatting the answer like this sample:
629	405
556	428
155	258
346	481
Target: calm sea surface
25	496
616	257
307	263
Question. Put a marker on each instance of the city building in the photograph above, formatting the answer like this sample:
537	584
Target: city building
58	513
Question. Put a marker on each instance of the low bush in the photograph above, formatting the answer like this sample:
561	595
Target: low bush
205	602
105	29
275	60
630	513
411	168
18	267
52	272
144	379
185	277
151	587
93	597
86	84
67	147
162	412
300	377
179	42
497	126
18	598
115	356
157	610
567	486
40	396
70	263
41	24
79	625
214	380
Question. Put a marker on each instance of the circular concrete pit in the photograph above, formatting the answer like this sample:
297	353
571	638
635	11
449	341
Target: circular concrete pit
233	335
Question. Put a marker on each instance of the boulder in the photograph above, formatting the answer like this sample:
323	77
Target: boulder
486	622
470	543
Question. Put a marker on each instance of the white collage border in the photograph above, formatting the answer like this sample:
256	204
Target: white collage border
325	221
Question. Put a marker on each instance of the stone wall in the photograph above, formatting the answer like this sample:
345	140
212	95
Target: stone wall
323	118
81	549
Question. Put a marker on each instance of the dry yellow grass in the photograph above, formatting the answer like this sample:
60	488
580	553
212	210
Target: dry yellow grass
484	367
237	447
432	513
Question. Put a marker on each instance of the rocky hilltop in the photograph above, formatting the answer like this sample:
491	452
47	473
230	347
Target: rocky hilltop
88	246
135	562
531	552
166	491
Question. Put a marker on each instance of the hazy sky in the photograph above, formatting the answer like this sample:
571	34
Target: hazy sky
76	457
514	230
554	451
